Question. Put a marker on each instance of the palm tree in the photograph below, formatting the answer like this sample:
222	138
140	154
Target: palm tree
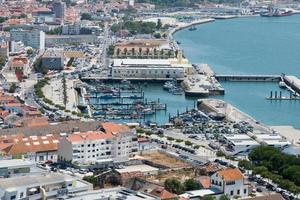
140	51
169	53
118	52
154	52
125	52
133	51
147	51
162	53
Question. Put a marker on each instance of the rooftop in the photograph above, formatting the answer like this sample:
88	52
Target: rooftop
157	62
162	193
137	168
230	174
113	128
15	163
90	135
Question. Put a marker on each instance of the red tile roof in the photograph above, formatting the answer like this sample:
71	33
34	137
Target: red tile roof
91	136
113	128
163	194
230	174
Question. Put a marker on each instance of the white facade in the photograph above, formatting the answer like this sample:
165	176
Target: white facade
230	182
98	147
240	143
32	38
42	186
146	69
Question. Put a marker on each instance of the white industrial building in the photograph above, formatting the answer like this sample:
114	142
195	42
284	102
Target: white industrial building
230	182
156	69
41	186
113	143
273	140
240	143
32	38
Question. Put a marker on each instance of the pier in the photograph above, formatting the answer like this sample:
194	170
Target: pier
249	78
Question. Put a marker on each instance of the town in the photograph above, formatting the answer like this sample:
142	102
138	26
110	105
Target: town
98	100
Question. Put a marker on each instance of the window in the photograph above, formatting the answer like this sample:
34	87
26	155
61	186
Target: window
245	191
213	182
238	192
13	197
21	195
89	145
231	192
82	145
94	145
230	182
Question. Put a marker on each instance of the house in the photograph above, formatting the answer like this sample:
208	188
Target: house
230	181
111	143
163	194
35	148
13	167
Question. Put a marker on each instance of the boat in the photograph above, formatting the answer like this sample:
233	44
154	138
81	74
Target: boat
168	85
178	42
276	12
192	28
282	84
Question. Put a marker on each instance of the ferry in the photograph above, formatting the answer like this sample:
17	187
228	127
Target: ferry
276	12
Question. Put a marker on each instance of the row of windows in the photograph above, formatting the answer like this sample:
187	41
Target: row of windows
237	192
149	72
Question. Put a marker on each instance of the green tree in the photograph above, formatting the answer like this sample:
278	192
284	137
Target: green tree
158	24
224	197
188	143
246	164
91	179
2	61
174	186
191	184
86	16
209	197
12	88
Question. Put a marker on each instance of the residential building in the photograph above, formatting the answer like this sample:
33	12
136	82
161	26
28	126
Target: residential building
4	49
53	59
52	40
32	38
14	167
163	194
34	148
42	186
230	182
113	143
19	64
59	8
112	193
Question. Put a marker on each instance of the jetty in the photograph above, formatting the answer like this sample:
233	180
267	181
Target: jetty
249	78
293	82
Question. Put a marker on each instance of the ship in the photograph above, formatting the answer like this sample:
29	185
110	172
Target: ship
276	12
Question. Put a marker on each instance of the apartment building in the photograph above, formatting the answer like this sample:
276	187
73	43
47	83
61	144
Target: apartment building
230	182
41	186
113	143
32	38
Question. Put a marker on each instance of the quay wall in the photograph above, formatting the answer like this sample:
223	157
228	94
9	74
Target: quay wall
249	78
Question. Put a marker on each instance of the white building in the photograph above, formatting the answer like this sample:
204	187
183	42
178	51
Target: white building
240	143
113	143
32	38
230	182
274	140
41	186
157	69
13	167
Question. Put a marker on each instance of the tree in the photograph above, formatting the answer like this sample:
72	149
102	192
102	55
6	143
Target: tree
188	143
174	186
170	138
12	88
2	61
191	184
118	52
209	197
86	16
157	35
158	24
224	197
111	50
125	51
245	164
133	51
91	179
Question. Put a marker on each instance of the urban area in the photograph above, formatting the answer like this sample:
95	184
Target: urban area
87	110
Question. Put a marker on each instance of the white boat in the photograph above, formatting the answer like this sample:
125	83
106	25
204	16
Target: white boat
282	84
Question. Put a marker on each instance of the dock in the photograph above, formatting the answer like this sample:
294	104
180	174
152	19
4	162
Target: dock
249	78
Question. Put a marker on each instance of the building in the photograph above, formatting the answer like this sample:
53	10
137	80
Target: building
52	40
274	140
4	49
32	38
53	59
230	182
42	186
59	8
240	143
112	193
163	194
71	29
19	64
45	17
157	69
113	143
14	167
34	148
